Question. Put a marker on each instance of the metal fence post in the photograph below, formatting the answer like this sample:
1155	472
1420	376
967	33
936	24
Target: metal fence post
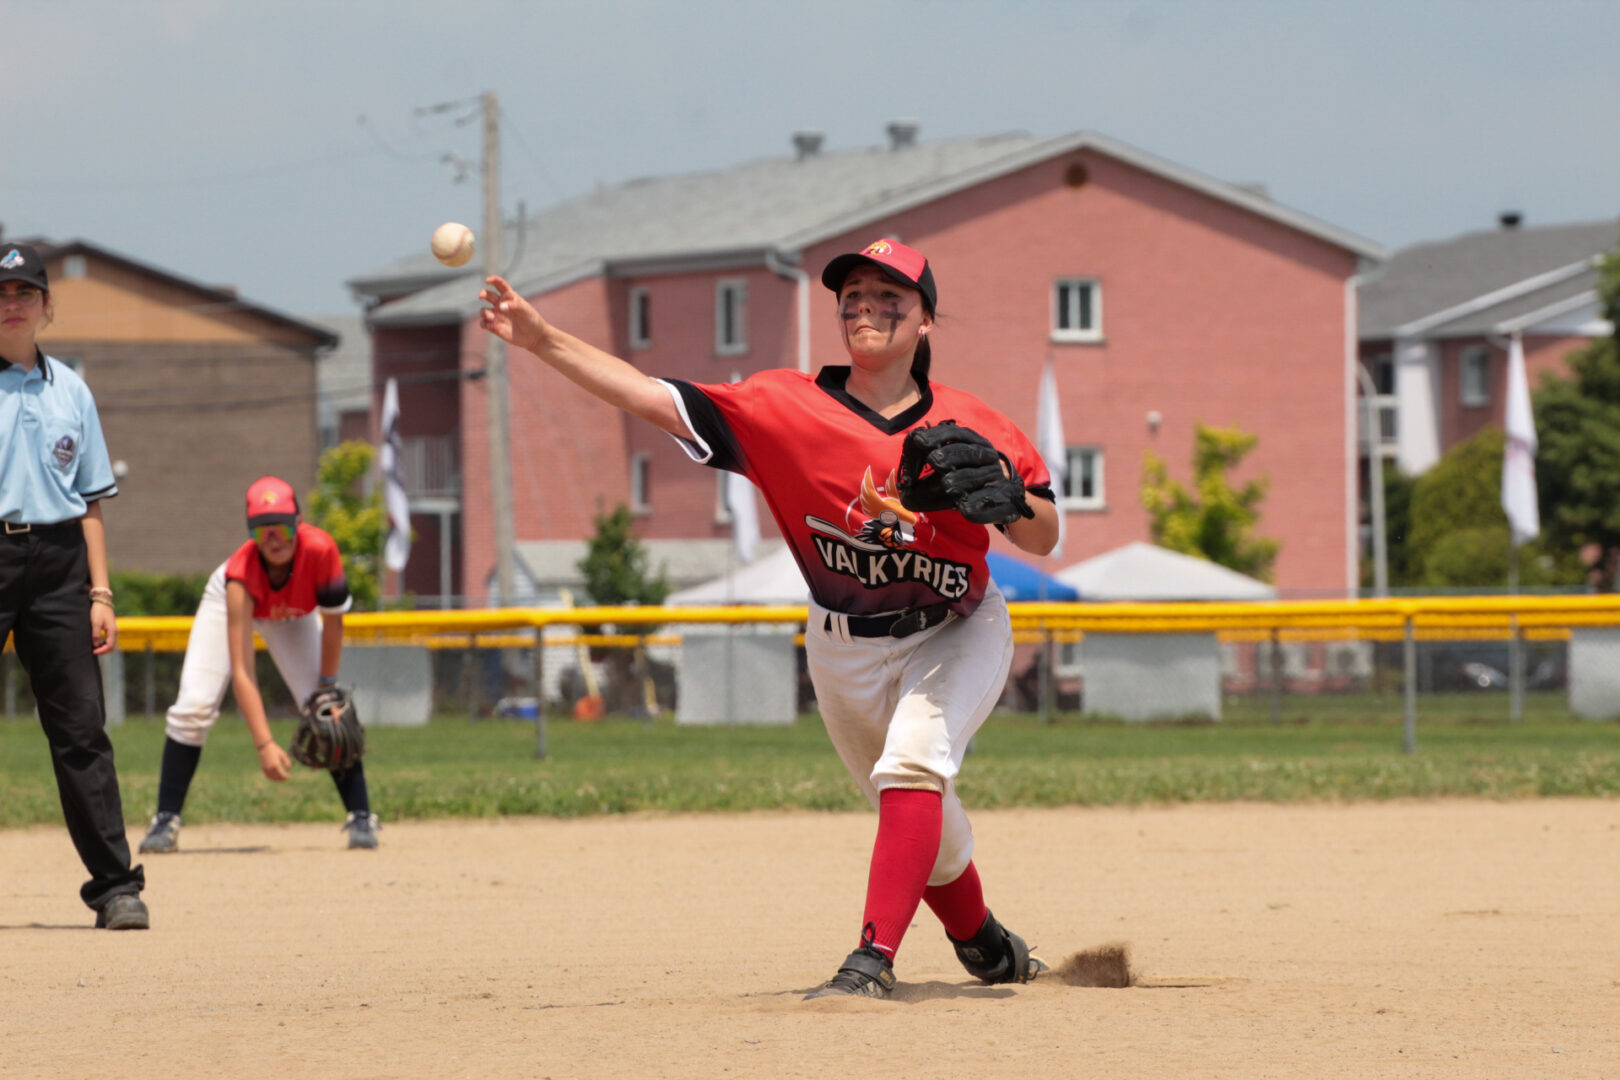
1409	740
540	692
151	679
1515	671
1276	675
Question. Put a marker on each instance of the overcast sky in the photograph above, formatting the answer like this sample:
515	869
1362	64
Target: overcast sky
274	145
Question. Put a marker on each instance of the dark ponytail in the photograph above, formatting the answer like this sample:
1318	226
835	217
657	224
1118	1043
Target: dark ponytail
920	361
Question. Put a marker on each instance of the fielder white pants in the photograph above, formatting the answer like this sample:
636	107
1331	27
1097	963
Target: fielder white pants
901	711
205	676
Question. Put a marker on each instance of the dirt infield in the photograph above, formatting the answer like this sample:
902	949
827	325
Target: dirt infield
1388	940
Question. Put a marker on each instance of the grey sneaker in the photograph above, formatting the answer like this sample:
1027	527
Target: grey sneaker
997	955
362	828
126	911
163	835
865	973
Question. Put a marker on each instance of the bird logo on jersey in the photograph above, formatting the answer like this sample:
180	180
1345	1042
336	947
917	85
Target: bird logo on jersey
873	543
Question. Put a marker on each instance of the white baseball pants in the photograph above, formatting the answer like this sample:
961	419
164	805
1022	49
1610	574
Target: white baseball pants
901	711
205	676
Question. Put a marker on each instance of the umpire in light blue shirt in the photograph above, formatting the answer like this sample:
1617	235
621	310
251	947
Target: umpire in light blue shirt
55	601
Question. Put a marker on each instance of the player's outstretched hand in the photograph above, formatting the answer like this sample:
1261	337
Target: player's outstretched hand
510	317
275	762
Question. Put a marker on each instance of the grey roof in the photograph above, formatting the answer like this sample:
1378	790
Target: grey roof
733	217
1482	279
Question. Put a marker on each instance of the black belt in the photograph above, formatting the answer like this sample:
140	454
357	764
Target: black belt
896	624
57	528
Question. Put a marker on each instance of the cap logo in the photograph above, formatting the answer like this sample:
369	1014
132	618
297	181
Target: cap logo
879	247
269	498
12	261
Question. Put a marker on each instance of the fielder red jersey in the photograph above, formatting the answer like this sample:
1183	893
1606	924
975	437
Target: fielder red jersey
316	583
826	465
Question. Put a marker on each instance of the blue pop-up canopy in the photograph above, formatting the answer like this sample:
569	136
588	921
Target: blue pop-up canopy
1019	581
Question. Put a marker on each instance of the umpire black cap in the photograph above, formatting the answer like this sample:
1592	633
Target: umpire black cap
20	262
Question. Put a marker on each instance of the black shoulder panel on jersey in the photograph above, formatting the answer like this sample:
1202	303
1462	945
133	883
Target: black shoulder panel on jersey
710	425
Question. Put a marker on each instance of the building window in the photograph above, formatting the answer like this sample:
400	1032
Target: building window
1076	310
1083	486
1383	373
73	266
1476	372
640	318
640	489
731	317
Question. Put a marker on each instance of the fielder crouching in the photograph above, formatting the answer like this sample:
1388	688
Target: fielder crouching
287	584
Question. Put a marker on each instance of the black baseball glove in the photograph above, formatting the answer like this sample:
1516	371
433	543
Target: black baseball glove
950	467
329	734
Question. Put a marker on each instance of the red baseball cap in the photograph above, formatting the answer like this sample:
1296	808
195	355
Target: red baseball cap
271	501
902	264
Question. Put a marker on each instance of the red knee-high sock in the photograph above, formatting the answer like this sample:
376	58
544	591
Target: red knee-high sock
902	858
959	904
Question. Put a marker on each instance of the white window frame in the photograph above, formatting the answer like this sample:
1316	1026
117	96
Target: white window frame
640	482
1070	498
1474	391
640	317
1066	292
731	340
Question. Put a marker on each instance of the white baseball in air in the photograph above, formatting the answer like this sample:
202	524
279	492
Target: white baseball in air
453	244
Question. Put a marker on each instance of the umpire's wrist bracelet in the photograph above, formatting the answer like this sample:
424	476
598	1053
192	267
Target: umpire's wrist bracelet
328	680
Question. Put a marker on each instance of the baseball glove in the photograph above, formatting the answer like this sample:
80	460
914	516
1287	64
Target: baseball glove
329	734
950	467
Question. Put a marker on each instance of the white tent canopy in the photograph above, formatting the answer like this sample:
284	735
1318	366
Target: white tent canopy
1141	571
773	578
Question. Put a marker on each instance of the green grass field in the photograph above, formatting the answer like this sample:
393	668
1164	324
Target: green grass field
457	768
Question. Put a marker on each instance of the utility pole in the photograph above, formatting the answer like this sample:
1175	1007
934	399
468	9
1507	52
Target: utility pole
500	446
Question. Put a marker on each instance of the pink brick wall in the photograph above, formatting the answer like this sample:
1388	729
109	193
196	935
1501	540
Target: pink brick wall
1211	314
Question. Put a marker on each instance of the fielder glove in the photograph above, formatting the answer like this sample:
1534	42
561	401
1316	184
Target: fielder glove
950	467
329	735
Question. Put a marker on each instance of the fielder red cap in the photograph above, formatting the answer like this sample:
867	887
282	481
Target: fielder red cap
271	501
904	265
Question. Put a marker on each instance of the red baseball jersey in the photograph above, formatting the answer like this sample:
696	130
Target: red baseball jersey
316	583
826	465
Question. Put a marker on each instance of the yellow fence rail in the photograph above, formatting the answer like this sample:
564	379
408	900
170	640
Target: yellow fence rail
1424	618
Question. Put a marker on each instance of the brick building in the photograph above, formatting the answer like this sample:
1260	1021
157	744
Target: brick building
1437	318
1164	298
200	392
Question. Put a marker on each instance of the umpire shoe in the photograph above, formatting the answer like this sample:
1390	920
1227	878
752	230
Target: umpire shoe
163	836
126	911
362	827
865	973
997	955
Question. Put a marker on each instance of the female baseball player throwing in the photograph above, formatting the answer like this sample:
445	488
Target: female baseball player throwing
274	584
908	640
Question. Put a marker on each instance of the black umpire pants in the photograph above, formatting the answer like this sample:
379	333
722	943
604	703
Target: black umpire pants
45	607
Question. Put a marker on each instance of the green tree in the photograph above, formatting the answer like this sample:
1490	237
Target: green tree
1214	520
615	564
355	521
1459	535
1578	431
616	571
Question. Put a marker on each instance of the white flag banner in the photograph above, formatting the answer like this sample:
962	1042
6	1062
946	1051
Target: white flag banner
1049	441
744	515
397	548
744	511
1519	458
